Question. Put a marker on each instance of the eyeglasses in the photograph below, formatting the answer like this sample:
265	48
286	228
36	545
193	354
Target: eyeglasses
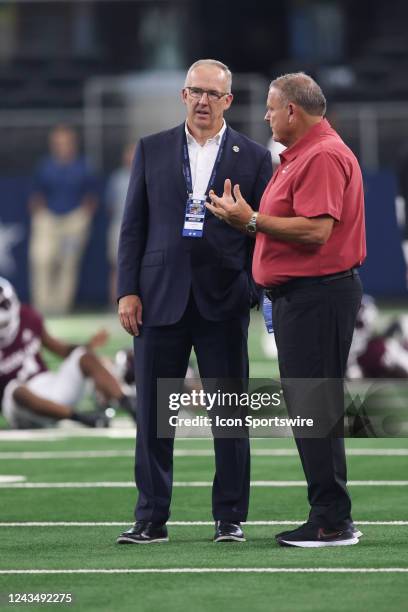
197	93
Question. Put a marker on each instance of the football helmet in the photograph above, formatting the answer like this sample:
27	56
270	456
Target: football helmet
9	313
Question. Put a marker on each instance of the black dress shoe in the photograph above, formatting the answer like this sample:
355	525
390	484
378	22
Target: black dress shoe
228	532
144	532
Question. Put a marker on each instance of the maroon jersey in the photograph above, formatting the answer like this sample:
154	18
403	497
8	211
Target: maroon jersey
374	362
21	359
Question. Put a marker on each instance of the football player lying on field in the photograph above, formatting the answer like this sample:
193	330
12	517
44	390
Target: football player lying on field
378	354
31	395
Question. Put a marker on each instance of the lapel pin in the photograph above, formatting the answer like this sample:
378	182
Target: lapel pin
235	148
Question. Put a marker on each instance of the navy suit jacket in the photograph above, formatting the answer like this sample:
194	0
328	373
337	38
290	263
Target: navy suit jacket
160	265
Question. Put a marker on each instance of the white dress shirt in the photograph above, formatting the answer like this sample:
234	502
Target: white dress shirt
202	160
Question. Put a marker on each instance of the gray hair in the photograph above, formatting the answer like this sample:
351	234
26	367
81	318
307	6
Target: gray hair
211	62
301	89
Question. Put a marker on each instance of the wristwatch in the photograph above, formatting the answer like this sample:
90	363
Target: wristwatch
251	225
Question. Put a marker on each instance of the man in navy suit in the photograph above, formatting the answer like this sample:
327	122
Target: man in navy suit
184	281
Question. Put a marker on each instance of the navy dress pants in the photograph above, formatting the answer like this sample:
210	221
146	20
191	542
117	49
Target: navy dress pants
163	352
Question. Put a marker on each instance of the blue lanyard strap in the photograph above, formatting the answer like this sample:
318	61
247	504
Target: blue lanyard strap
187	168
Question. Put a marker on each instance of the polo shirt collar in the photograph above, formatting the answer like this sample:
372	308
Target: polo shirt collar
319	129
216	138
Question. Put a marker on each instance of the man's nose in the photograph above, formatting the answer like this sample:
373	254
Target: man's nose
202	95
267	116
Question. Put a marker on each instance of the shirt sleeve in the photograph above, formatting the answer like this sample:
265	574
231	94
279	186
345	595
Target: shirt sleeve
319	187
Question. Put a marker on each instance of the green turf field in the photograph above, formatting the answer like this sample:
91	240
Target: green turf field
72	494
106	502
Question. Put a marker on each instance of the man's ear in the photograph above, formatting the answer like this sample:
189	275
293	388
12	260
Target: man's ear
228	101
291	112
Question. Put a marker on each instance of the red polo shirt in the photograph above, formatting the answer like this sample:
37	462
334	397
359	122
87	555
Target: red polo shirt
319	175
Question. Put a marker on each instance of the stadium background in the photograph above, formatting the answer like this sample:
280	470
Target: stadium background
112	69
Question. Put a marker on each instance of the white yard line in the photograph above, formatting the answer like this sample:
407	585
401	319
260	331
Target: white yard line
257	452
217	570
358	452
82	454
123	428
179	523
187	484
125	431
377	452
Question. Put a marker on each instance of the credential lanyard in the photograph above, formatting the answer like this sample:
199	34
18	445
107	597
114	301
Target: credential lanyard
187	168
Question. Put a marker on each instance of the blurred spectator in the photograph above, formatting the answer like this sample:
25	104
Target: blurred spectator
62	205
402	203
115	197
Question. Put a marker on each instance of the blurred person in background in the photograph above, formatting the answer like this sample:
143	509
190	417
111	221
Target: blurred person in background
31	396
402	204
62	204
116	191
184	281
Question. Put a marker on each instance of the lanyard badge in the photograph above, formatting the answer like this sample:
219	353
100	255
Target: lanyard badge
194	216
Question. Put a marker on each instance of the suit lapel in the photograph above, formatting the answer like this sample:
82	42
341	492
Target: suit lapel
176	151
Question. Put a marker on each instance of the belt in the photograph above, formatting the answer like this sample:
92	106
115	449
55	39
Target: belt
279	290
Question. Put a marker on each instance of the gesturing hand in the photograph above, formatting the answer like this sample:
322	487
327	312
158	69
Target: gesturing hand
237	212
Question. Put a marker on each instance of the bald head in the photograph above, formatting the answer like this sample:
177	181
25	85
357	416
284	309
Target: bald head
225	71
299	88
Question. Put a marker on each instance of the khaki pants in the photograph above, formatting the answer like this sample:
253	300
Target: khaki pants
56	248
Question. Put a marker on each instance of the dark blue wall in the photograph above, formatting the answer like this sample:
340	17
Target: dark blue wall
383	273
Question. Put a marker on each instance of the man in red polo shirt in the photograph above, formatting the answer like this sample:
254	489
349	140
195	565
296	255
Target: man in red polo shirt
310	238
